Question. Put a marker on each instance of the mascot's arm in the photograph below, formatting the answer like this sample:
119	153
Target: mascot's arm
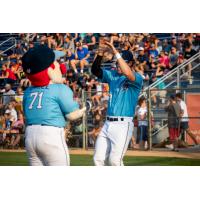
76	114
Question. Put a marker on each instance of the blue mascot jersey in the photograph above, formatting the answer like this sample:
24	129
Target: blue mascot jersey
48	105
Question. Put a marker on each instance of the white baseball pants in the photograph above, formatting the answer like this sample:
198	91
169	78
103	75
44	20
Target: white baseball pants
112	143
46	146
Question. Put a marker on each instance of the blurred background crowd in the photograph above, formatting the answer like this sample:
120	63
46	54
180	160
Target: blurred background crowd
152	55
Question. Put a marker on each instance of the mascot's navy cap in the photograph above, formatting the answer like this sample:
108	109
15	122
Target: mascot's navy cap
39	58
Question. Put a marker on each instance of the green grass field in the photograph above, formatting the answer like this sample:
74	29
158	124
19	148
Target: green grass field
20	159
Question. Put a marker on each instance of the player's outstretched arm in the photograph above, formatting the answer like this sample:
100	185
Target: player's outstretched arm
126	70
96	67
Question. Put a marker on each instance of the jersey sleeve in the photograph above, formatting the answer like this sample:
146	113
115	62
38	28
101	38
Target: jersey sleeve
108	75
138	81
66	101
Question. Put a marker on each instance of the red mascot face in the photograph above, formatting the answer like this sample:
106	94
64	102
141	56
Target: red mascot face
53	74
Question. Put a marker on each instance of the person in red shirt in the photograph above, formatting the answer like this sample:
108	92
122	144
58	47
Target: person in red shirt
7	75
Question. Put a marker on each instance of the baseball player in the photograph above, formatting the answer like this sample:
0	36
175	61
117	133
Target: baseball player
45	108
125	86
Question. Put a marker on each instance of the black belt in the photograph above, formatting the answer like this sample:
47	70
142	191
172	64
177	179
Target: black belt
113	119
42	125
38	125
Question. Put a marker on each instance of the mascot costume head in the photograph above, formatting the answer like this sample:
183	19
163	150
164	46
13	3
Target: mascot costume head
41	68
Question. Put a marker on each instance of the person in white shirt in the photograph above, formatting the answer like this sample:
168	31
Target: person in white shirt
184	121
12	111
8	94
142	136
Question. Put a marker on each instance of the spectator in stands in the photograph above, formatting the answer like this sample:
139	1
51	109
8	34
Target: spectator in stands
140	69
173	58
16	130
12	111
142	57
173	109
8	75
18	52
196	42
43	41
158	92
71	80
99	92
8	124
126	53
153	52
31	44
159	74
19	99
97	116
31	37
184	122
69	56
188	53
165	46
114	37
180	58
8	94
188	40
90	41
69	42
59	41
81	57
175	44
51	41
163	60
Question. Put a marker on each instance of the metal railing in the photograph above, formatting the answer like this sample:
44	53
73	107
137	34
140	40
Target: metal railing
173	77
176	71
13	40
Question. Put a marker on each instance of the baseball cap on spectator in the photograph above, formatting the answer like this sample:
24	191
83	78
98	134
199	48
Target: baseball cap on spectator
141	49
39	58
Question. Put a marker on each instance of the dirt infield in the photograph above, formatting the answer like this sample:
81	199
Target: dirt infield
154	153
146	153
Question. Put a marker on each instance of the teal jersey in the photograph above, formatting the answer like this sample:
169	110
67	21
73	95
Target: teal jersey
48	105
123	93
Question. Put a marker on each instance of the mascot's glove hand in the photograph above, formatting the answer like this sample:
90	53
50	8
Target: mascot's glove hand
76	114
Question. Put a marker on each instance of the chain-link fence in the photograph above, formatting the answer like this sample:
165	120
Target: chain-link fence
83	132
157	116
168	110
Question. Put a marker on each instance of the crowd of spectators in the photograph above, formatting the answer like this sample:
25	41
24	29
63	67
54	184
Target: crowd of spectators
150	55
